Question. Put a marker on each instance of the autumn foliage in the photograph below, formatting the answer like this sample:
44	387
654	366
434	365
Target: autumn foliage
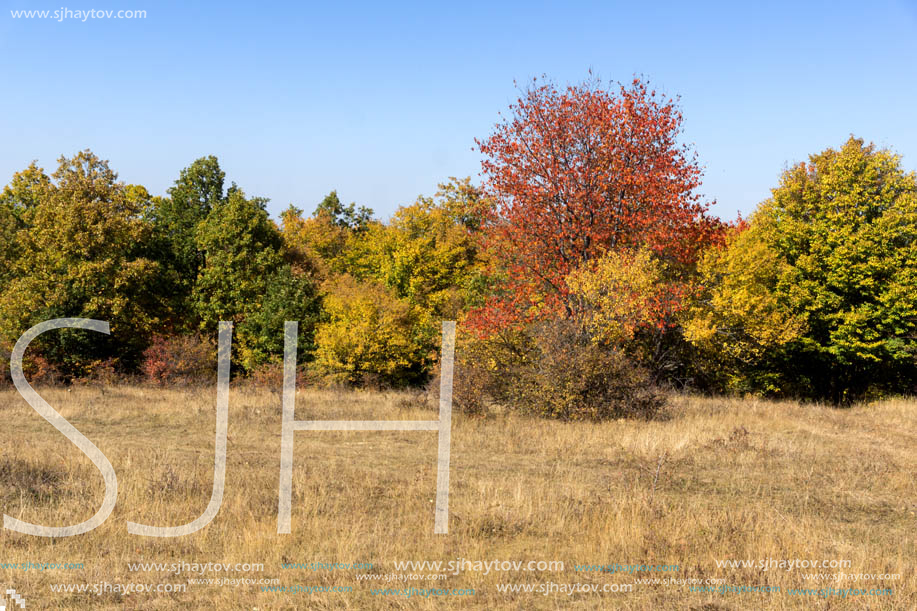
584	272
575	173
179	359
818	297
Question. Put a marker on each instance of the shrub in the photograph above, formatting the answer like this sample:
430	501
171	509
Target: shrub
270	375
569	377
486	369
103	372
180	359
469	394
37	369
5	379
469	388
555	370
267	375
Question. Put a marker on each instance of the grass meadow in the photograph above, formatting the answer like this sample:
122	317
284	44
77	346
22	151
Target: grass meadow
716	479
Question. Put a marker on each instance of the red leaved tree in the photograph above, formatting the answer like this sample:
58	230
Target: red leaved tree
578	172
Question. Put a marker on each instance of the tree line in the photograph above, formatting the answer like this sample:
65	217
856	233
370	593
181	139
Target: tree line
585	271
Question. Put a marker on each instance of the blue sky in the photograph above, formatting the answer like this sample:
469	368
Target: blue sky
383	100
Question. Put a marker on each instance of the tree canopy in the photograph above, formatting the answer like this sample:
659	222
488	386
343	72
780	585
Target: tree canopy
580	171
587	238
818	297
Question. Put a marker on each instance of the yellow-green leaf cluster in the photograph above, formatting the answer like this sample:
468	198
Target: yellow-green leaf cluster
370	335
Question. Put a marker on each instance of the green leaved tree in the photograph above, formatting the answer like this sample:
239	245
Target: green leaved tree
428	252
18	201
175	218
245	279
78	242
824	284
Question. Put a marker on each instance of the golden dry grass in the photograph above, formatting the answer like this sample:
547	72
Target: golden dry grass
719	479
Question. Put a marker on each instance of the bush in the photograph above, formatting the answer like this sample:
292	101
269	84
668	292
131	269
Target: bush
267	375
486	370
104	372
270	375
469	395
37	369
569	377
555	370
470	388
180	359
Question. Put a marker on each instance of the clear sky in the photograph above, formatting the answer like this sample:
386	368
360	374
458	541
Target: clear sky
383	100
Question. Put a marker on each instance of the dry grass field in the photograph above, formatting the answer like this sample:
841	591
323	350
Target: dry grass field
718	479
